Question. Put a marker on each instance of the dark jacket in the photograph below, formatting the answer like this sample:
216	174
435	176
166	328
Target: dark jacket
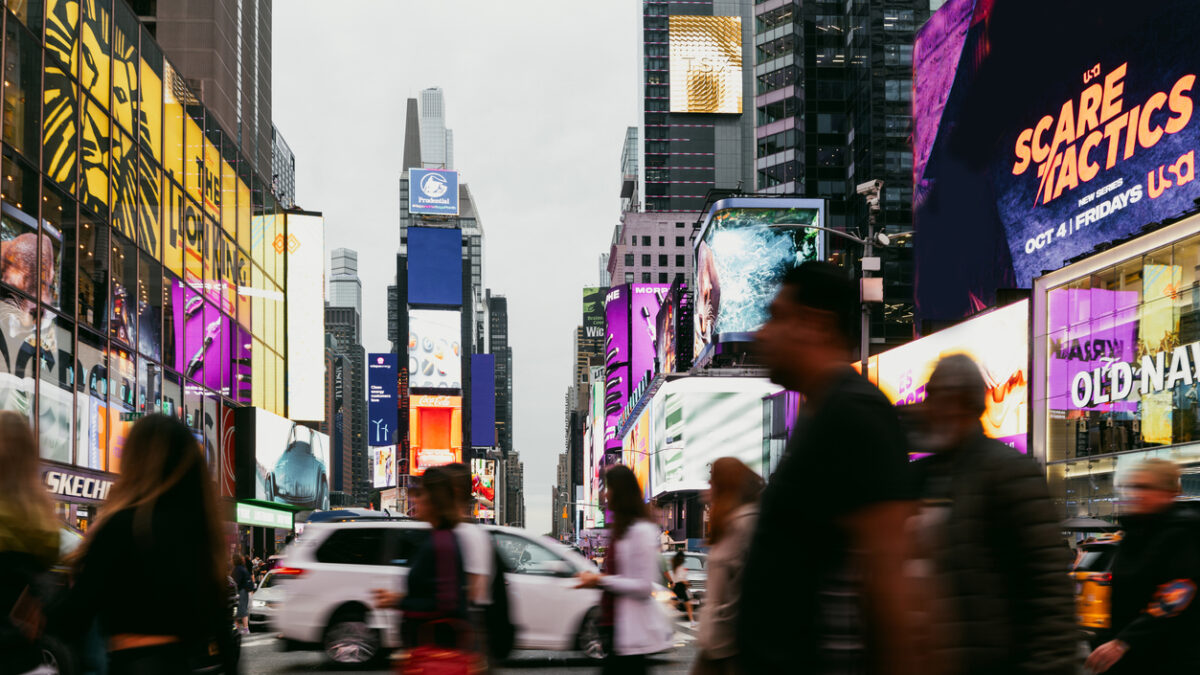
26	553
1001	565
436	587
1153	592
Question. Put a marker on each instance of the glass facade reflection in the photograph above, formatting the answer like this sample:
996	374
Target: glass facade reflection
139	267
1117	344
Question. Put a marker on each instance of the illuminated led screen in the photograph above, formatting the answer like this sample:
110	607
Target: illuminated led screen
292	462
434	431
483	489
383	466
434	349
305	316
706	64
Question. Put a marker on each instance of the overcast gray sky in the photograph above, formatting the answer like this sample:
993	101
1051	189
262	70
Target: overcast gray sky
538	93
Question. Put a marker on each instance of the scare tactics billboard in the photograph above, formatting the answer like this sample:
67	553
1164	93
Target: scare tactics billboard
1042	130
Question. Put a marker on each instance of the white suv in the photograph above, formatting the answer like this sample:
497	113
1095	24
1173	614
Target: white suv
335	566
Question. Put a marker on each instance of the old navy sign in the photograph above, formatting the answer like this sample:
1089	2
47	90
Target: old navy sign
65	483
1118	380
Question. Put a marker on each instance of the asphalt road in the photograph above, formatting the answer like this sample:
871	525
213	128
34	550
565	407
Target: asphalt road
261	654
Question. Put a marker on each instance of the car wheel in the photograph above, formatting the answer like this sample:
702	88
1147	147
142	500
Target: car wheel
349	641
591	639
56	657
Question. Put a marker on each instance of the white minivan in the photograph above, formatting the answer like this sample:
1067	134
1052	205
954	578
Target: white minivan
335	566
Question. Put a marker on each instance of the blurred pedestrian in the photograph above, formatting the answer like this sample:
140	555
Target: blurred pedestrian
679	584
163	506
245	585
734	490
822	591
1154	577
437	582
477	555
996	566
28	545
639	627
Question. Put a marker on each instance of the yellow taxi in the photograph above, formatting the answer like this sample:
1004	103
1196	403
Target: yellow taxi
1092	573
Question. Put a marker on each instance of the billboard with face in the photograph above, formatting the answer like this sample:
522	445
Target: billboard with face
434	431
997	341
1037	140
742	253
706	64
483	489
383	466
434	349
292	462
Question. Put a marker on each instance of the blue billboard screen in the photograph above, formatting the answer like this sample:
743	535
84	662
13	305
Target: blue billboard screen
483	400
434	266
1036	141
382	399
433	191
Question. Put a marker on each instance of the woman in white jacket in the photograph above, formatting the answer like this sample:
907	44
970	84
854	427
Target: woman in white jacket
639	625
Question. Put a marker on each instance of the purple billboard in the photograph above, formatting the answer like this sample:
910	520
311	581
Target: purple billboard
1041	131
616	362
643	323
201	339
1079	343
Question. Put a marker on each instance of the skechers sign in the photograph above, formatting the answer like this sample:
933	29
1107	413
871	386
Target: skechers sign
433	192
1118	380
78	485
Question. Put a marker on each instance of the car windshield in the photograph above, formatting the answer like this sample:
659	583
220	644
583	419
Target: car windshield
1097	559
272	580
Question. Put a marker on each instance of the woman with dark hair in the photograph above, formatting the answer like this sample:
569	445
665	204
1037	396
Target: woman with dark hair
437	583
162	507
733	492
639	627
679	584
244	584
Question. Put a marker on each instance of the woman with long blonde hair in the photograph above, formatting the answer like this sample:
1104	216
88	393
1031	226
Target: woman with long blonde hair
734	490
28	544
163	507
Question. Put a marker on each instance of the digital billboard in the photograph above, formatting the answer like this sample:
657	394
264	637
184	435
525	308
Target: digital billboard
483	400
196	330
645	302
673	346
697	420
305	251
1090	329
382	406
1037	140
616	362
483	489
593	312
637	448
434	349
998	341
435	266
742	252
383	466
292	462
433	192
705	64
434	431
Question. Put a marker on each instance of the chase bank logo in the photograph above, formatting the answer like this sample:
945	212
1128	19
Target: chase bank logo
434	185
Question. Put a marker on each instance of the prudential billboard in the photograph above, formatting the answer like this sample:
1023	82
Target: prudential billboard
1041	131
433	192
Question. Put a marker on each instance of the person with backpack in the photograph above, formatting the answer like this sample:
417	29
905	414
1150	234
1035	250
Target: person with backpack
437	594
1154	577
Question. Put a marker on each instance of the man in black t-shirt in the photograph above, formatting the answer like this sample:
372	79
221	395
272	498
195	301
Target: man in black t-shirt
823	590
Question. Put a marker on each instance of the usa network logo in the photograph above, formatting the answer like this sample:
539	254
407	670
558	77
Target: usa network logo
433	191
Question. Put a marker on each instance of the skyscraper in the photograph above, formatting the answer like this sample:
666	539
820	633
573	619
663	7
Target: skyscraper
697	93
833	87
283	170
499	346
437	142
343	323
514	487
223	50
345	288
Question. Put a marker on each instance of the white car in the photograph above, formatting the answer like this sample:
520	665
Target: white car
265	600
334	567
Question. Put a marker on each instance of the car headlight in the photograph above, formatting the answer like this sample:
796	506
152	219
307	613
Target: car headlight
664	596
258	604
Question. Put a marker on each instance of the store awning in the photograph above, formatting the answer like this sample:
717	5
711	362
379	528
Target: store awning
265	514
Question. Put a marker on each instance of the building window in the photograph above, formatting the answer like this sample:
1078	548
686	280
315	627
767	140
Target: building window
678	224
897	55
633	241
645	277
679	241
896	126
898	20
646	259
662	241
897	90
662	278
897	160
662	260
679	261
629	260
645	241
629	277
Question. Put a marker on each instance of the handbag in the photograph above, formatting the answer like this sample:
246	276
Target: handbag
429	658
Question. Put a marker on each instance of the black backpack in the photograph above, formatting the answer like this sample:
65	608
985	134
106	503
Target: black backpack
501	633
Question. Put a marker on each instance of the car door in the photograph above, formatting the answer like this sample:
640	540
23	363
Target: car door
352	562
403	544
543	601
